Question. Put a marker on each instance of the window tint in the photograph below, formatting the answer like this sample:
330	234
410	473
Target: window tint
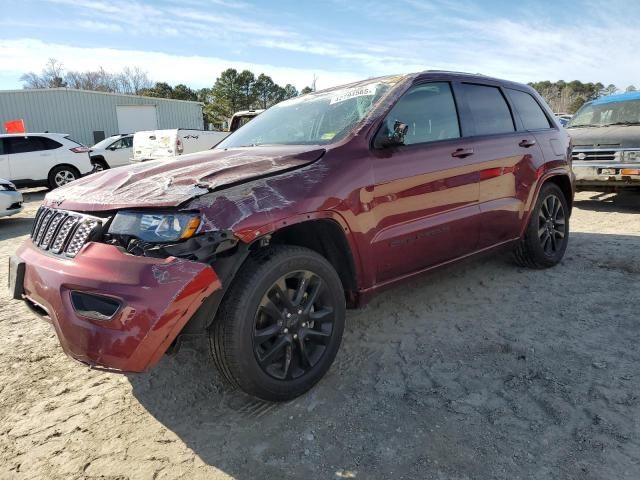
430	112
2	150
49	144
128	142
532	116
24	144
489	110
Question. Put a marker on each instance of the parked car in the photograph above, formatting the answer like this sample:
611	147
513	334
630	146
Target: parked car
242	118
165	144
10	199
318	203
113	151
42	159
606	142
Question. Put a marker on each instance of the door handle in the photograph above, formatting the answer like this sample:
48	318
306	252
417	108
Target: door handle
462	152
527	143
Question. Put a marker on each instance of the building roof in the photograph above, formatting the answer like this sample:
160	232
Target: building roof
65	89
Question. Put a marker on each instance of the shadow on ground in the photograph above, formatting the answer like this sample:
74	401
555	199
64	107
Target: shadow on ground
484	370
624	201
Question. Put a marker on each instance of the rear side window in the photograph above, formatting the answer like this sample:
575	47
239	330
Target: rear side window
49	144
531	114
23	144
429	111
489	109
29	144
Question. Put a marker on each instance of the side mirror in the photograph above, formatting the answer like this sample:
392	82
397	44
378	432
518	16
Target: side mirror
394	138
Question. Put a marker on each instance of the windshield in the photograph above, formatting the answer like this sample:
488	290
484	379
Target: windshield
609	113
106	142
313	119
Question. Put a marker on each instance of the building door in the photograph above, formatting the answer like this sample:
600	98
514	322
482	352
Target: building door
134	118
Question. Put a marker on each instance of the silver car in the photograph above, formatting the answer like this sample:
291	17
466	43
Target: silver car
10	199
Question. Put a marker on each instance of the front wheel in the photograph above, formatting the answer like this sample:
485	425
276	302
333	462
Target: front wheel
546	237
280	325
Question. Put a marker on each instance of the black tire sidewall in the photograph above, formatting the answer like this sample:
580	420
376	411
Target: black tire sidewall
533	241
250	375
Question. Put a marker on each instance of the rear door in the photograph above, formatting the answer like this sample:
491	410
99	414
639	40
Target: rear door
506	157
425	193
31	157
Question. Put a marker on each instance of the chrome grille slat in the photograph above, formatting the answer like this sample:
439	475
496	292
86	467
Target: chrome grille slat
61	231
601	155
51	230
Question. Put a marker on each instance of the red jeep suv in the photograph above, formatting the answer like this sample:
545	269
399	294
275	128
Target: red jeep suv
262	242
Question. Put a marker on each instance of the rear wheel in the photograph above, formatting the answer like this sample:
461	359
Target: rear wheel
546	237
280	325
61	175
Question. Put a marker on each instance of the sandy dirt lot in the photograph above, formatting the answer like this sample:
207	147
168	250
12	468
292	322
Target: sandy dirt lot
481	371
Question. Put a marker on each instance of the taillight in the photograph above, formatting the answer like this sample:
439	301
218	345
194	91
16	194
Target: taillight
79	149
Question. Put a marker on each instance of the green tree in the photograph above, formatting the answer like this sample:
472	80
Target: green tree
575	105
630	88
247	80
290	91
182	92
263	90
306	90
159	90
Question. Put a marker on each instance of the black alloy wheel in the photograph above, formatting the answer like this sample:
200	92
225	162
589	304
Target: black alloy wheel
551	225
293	325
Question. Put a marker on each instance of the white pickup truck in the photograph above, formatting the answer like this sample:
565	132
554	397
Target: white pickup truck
165	144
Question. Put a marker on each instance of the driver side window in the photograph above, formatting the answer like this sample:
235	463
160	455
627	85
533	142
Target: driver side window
429	111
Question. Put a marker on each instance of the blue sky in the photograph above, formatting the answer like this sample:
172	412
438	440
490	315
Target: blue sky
192	41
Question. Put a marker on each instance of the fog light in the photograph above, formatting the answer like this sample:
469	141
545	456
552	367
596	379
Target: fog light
95	307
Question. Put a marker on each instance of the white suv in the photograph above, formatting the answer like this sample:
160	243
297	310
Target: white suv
113	151
34	159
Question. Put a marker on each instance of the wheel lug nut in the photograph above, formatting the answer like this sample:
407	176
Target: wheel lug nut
288	315
304	324
286	330
295	335
299	312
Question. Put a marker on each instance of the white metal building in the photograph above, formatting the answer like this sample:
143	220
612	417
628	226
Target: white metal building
90	116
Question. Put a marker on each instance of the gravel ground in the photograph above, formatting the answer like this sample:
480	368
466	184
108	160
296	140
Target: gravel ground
481	371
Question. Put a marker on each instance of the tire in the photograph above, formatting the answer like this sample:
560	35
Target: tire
61	175
248	329
99	164
547	234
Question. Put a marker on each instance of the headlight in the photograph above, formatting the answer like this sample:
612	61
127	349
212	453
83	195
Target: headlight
155	226
3	187
631	156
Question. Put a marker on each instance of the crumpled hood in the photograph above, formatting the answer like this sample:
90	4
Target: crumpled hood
615	136
164	183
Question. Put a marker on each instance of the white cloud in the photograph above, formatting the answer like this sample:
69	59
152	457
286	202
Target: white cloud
24	55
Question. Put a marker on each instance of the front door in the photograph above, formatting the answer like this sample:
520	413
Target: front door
5	171
425	196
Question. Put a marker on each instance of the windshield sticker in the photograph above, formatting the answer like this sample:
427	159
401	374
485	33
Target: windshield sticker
363	91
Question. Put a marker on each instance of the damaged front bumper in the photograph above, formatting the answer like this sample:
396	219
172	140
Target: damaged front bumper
110	309
590	173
